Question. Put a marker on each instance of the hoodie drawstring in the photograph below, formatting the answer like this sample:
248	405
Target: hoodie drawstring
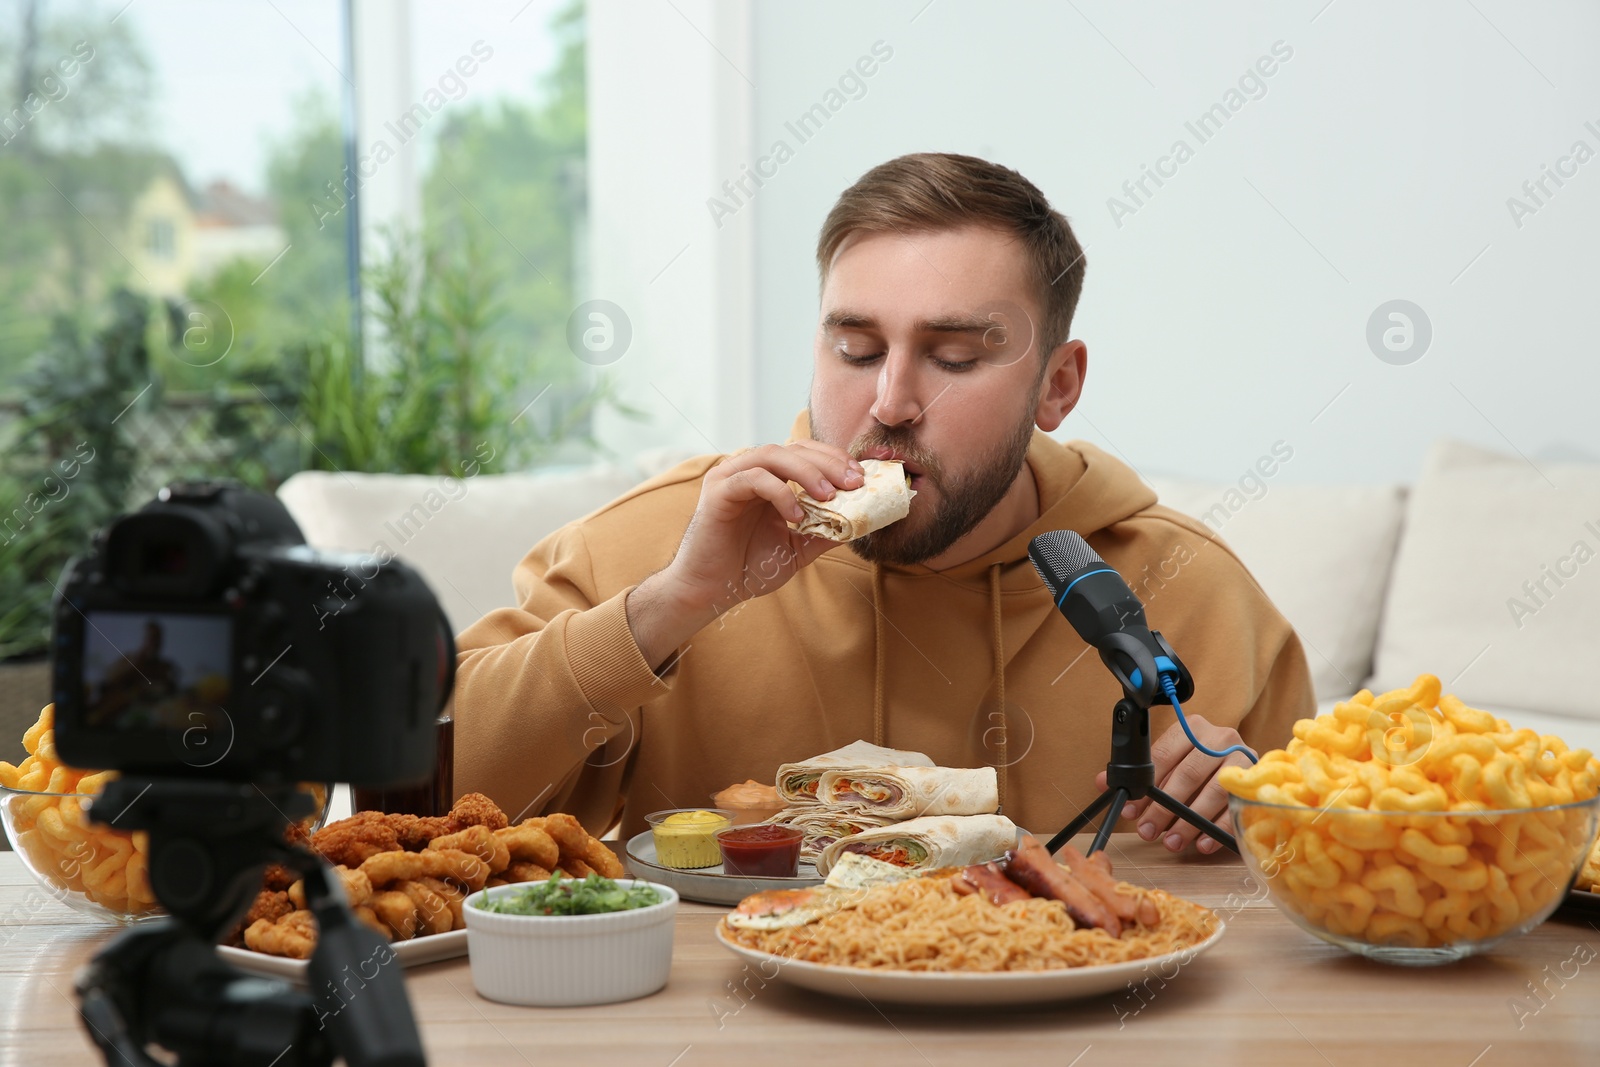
877	655
1002	757
1002	760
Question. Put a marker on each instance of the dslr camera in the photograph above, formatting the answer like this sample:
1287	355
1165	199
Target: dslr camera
205	652
200	637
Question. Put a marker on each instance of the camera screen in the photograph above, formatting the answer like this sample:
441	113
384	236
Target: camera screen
155	670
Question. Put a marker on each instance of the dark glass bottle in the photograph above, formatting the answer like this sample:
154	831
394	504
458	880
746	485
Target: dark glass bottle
433	797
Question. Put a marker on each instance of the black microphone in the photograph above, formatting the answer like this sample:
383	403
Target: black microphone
1106	614
1100	606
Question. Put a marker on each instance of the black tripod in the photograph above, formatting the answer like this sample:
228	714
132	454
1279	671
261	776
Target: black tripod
163	983
1130	774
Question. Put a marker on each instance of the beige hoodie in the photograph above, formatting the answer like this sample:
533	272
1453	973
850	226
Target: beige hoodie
557	710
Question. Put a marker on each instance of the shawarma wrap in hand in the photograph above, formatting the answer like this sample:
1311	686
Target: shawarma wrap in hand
929	842
883	497
797	782
907	792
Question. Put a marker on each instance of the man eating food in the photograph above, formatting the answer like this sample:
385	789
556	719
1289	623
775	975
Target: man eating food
689	634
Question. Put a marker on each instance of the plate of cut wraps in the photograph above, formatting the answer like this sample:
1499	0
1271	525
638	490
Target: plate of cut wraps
891	805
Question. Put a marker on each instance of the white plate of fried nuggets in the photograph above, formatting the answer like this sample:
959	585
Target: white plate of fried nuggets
407	877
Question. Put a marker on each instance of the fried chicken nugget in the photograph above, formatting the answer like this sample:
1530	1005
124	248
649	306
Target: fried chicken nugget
397	911
433	911
528	843
481	842
297	833
270	905
357	888
415	831
576	842
527	872
294	936
278	877
350	842
453	897
370	917
475	809
464	868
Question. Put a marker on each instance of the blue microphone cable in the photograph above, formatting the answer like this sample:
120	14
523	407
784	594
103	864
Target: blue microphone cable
1170	687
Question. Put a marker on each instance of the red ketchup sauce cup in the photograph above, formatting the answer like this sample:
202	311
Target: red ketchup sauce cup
765	850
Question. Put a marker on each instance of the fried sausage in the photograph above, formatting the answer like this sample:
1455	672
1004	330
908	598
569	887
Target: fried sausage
1094	871
1099	882
991	881
1031	867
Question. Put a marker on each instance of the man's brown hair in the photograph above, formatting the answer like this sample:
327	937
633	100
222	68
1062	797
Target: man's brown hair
928	191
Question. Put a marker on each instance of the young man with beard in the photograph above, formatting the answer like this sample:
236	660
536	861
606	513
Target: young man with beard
684	637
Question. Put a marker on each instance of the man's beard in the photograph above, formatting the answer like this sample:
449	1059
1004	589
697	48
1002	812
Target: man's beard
963	502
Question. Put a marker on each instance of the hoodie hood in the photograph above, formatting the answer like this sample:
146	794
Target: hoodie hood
1081	488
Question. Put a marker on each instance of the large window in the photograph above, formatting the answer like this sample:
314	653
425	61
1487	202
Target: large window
246	239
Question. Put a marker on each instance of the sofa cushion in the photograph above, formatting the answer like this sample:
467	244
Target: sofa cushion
1322	553
1496	586
464	536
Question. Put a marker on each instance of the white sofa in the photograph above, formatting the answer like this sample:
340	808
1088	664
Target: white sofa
1382	583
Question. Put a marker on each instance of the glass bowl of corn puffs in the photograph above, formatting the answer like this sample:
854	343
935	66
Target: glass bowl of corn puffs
1415	888
1410	828
97	869
44	805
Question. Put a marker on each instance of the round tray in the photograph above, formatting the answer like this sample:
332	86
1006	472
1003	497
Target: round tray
708	885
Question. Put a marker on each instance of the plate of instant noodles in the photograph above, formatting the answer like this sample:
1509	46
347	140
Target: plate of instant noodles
1018	930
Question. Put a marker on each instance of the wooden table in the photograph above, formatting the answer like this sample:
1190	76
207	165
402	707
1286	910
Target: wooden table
1267	994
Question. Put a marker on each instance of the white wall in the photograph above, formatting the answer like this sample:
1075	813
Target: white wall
1230	309
669	112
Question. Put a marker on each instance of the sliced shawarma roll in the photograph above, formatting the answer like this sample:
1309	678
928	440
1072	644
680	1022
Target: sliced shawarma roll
797	782
823	826
883	497
929	842
907	792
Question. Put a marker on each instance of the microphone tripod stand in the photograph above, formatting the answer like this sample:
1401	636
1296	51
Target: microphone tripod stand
1130	773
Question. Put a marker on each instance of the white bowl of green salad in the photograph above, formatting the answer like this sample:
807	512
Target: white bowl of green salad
570	941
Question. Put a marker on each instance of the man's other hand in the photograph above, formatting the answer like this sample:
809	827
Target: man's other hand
1189	775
